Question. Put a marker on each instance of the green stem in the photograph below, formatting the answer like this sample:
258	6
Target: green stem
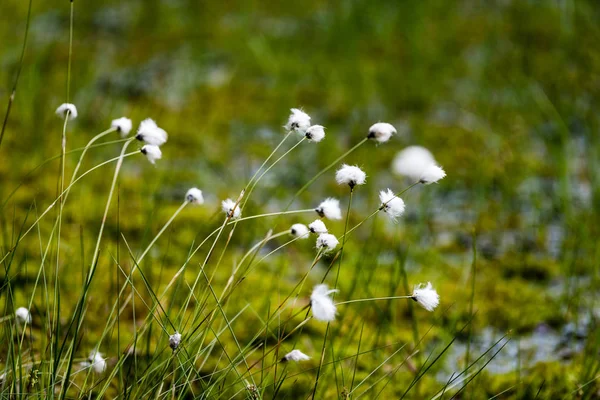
373	299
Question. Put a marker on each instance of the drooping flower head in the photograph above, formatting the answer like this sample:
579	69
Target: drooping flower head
412	161
327	242
300	231
381	132
67	109
426	296
350	175
315	133
122	125
329	208
322	305
432	174
174	340
23	315
97	362
150	133
151	152
317	226
230	208
299	121
391	204
194	196
295	355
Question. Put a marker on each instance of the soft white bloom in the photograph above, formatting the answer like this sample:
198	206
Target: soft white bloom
381	132
61	111
151	152
298	121
327	242
150	133
412	161
122	125
432	174
174	340
391	204
295	355
97	362
322	305
350	175
317	226
299	231
229	207
329	208
426	296
315	133
194	195
23	315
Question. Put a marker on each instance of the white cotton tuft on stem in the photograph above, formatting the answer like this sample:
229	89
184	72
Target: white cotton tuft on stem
23	315
194	196
230	208
317	226
330	209
295	355
300	231
151	152
321	303
432	174
150	133
412	161
391	204
174	340
327	242
62	110
97	362
122	125
298	121
426	296
315	133
381	132
350	175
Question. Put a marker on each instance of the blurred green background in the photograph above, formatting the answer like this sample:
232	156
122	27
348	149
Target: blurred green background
505	94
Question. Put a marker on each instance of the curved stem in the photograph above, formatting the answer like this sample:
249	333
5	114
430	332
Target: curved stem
274	214
267	160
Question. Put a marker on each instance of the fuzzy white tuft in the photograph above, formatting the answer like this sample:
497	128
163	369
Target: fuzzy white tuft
23	315
322	305
300	231
391	204
295	355
151	152
122	125
412	161
151	133
381	132
329	208
350	175
229	207
97	362
432	174
194	196
62	110
174	340
315	133
299	121
317	226
426	296
327	242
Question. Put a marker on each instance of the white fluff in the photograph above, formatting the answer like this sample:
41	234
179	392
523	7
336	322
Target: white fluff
151	133
322	305
350	175
381	132
426	296
194	196
412	161
391	204
295	355
151	152
97	362
23	315
329	208
317	226
298	121
327	242
228	206
315	133
61	111
300	231
432	174
174	340
122	125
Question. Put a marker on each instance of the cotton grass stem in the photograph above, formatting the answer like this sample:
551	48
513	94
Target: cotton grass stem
373	299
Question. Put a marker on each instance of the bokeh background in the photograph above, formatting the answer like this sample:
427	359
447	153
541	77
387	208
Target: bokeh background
505	94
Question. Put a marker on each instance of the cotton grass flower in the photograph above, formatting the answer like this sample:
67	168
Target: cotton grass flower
299	121
151	152
327	242
330	209
230	208
426	296
391	204
150	133
23	315
295	355
300	231
97	362
194	196
174	340
432	174
381	132
65	108
350	175
322	305
122	125
315	133
317	226
412	161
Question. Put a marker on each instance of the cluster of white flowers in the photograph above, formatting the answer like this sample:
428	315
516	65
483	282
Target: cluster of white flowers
299	122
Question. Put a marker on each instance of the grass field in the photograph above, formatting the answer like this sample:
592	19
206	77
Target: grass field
504	94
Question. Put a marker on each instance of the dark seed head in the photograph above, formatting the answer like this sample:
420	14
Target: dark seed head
371	135
139	136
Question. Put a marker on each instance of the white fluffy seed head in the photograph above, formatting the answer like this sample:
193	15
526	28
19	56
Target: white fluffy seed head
391	205
330	209
67	109
23	315
194	196
412	161
122	125
315	133
317	226
232	210
97	362
350	175
432	174
321	303
151	152
295	355
381	132
150	133
174	340
300	231
426	296
327	242
298	121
